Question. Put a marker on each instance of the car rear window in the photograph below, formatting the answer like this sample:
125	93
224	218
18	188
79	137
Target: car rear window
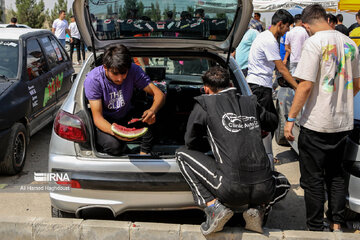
9	58
191	19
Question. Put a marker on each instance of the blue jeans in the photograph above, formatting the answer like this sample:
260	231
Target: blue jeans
62	41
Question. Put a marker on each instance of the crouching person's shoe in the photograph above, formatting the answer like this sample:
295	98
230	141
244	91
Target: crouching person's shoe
217	216
254	219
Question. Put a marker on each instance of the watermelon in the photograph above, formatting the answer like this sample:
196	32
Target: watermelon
128	132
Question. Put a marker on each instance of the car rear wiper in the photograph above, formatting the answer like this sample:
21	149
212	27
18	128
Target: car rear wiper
4	77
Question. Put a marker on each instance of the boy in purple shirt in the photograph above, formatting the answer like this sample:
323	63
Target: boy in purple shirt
109	89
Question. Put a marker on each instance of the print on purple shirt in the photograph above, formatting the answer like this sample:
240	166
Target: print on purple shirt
115	98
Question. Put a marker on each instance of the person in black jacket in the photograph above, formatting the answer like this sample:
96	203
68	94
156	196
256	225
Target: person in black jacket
239	172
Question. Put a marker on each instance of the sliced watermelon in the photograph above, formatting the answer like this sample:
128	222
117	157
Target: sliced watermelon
128	132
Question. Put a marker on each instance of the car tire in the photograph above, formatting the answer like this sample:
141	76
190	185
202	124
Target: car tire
57	213
350	214
15	154
279	132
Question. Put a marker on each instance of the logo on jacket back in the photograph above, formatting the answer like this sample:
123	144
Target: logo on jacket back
234	123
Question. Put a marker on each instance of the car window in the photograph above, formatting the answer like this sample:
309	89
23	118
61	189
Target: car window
9	58
178	66
35	60
195	19
52	51
57	46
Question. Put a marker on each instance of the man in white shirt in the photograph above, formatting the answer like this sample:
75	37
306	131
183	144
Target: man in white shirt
294	41
265	56
75	41
329	76
60	27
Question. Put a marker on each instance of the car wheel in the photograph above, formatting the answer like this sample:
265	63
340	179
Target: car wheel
15	154
57	213
279	132
350	215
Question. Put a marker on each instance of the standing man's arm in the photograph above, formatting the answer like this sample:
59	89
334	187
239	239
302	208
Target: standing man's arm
285	73
301	95
356	85
53	29
287	53
149	115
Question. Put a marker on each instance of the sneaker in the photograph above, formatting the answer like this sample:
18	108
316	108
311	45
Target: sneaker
254	219
216	217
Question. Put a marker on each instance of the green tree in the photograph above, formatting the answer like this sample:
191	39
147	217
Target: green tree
109	11
54	13
30	12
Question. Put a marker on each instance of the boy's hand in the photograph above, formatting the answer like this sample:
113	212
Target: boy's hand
149	117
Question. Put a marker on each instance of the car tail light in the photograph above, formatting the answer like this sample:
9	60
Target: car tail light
70	127
72	183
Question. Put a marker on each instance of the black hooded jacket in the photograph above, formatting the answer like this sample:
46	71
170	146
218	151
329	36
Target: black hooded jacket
232	124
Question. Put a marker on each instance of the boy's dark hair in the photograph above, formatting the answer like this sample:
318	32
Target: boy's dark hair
358	14
170	14
297	18
340	17
13	20
313	12
117	58
258	14
331	18
283	16
61	11
200	11
216	78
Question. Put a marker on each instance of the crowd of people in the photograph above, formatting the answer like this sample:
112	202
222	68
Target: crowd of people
61	27
323	65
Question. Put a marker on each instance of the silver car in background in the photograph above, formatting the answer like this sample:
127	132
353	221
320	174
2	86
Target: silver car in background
351	165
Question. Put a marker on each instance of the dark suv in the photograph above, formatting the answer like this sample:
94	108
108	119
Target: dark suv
35	77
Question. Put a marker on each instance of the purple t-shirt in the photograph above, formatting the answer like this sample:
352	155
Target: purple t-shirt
115	98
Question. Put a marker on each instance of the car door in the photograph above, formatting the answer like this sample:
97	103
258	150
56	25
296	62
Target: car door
39	80
62	69
58	66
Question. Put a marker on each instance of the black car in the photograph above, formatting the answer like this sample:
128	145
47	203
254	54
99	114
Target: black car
35	77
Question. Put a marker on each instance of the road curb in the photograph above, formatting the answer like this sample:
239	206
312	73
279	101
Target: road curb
24	228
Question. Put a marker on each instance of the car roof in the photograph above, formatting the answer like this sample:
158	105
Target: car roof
4	25
17	33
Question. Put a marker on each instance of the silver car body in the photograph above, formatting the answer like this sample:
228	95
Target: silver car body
352	153
131	182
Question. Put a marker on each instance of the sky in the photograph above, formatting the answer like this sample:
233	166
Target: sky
348	18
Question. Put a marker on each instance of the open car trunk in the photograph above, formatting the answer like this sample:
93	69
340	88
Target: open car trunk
180	79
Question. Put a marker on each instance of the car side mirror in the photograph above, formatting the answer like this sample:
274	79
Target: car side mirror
73	77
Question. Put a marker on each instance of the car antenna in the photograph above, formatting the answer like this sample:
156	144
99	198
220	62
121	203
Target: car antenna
91	34
232	38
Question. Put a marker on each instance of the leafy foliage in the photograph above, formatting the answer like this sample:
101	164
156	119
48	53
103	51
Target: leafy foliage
30	12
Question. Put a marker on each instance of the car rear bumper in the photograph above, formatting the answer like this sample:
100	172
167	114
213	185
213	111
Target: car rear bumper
120	184
120	201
